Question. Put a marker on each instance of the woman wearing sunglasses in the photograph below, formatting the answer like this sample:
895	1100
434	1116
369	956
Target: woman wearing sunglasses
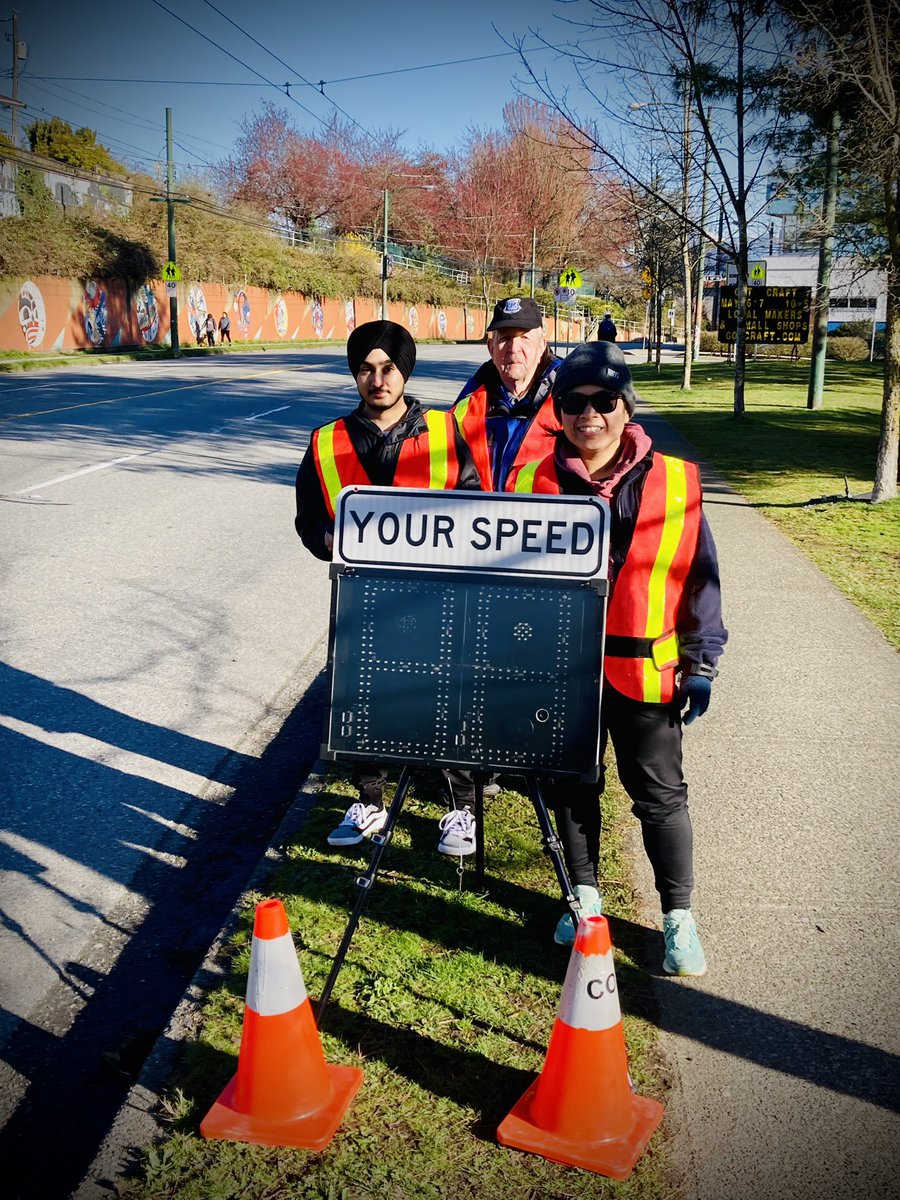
664	632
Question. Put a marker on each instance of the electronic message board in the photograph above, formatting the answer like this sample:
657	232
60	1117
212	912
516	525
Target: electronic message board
775	315
467	630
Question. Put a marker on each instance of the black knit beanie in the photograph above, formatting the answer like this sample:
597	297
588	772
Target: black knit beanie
599	363
388	336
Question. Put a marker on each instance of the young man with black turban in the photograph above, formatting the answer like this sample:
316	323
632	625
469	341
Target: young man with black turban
389	440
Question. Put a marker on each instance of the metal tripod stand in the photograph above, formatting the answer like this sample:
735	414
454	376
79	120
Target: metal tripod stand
365	882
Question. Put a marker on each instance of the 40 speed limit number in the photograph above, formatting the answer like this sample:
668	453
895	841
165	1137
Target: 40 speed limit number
590	997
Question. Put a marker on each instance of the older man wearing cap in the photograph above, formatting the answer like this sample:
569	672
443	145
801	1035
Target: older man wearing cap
507	419
389	440
664	632
504	411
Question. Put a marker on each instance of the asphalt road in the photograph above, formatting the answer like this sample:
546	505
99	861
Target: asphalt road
163	637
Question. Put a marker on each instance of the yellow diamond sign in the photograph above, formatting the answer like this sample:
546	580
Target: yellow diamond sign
171	272
570	278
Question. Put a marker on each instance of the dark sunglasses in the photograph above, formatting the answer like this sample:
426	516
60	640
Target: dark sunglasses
601	402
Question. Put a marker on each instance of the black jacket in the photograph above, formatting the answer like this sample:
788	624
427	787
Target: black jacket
378	451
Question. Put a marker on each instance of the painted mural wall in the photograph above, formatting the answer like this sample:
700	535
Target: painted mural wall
46	314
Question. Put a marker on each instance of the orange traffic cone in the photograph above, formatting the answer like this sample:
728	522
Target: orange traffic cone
284	1093
581	1109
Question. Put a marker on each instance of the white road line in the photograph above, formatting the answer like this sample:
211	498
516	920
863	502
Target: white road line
39	487
267	413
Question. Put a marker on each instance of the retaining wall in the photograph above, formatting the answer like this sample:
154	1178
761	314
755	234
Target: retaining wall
47	313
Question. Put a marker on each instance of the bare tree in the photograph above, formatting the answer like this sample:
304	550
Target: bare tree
717	60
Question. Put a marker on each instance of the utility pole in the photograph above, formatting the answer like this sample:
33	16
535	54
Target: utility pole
384	260
170	201
170	212
19	53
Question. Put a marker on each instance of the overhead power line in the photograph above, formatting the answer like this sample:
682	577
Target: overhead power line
246	66
287	66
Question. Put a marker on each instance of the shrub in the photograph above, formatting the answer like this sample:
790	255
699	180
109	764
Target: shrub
709	342
847	349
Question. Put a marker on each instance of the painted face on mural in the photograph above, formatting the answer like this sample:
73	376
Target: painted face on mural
32	314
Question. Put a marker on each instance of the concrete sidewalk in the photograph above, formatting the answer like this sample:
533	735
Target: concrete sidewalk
787	1050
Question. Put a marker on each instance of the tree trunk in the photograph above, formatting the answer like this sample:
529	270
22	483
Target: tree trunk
886	460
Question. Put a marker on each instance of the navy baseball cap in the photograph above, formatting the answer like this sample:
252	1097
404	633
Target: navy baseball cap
518	312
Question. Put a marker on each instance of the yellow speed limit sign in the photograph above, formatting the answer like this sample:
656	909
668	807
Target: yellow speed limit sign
570	278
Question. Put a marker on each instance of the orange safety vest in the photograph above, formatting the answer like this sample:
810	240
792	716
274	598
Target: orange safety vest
471	417
427	460
644	603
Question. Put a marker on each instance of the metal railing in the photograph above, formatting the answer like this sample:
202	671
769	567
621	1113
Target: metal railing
331	243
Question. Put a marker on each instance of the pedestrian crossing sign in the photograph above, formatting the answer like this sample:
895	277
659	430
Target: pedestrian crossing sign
171	272
570	278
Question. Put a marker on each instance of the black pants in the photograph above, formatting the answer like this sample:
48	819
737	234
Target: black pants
370	778
461	787
647	741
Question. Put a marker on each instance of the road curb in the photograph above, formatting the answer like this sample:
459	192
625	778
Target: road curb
138	1122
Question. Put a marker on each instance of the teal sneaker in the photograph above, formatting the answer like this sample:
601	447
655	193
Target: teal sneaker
684	954
591	906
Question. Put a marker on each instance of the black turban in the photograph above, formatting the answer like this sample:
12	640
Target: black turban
388	336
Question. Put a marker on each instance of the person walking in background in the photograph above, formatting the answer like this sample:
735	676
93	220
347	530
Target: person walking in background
389	440
224	329
210	327
664	633
198	332
504	410
606	330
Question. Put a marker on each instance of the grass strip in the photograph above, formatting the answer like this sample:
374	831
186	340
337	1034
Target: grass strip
446	1000
796	464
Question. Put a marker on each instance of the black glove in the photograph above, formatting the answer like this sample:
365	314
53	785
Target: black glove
693	697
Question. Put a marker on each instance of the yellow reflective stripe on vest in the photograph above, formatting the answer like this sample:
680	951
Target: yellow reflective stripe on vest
673	527
460	410
325	447
525	477
438	449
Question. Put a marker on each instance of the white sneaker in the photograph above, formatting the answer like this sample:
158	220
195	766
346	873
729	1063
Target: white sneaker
360	821
457	832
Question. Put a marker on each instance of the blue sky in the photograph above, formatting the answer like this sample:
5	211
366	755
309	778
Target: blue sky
331	42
